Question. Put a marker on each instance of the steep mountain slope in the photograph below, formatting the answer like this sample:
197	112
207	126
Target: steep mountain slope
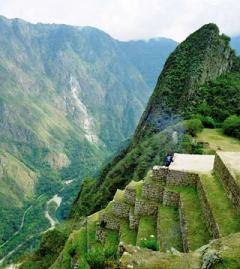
202	57
69	97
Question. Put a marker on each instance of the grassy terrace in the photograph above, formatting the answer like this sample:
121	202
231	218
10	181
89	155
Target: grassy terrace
127	235
119	196
108	209
111	241
136	185
224	213
91	230
170	235
218	141
198	234
147	228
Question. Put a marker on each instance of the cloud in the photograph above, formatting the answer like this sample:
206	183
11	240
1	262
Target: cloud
131	19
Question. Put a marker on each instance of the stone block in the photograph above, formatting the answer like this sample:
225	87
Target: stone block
183	227
229	181
130	196
120	209
211	223
133	220
170	198
145	208
159	174
181	178
152	191
111	222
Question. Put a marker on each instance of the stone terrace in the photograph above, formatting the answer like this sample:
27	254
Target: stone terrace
184	206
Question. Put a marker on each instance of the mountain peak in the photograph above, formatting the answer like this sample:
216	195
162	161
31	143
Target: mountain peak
203	56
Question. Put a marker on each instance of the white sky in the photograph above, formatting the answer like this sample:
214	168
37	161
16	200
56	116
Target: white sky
131	19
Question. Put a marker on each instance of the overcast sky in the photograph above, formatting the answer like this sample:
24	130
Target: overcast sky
131	19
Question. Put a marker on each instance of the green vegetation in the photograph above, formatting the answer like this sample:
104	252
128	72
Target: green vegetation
231	126
225	214
198	234
221	98
147	229
127	235
214	140
193	126
193	89
51	245
170	235
133	166
51	85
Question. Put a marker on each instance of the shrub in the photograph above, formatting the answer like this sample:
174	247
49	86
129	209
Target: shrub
208	122
194	126
96	258
150	243
231	126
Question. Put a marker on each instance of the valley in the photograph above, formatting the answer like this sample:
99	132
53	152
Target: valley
70	97
81	149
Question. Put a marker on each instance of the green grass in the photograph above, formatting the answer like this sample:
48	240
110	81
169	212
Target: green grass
127	235
108	209
111	241
147	228
139	189
170	235
224	213
76	246
119	196
218	141
198	234
91	230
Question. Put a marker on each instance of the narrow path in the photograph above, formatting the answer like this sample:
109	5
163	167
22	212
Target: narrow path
58	200
20	228
22	224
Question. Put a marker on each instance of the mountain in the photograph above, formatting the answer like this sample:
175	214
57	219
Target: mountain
235	43
149	56
177	211
195	83
69	97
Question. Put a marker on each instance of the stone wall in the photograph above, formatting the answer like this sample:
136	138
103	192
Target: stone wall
145	208
211	223
112	222
133	220
183	227
130	195
100	235
229	181
159	174
170	198
152	191
120	209
181	178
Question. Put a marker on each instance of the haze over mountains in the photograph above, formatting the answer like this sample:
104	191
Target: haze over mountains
186	216
69	97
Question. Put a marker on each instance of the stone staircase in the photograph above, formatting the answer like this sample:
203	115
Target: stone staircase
184	207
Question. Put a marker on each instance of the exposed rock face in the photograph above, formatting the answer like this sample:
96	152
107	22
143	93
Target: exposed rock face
210	258
57	160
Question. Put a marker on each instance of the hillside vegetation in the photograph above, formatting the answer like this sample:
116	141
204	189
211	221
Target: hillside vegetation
128	205
69	97
198	86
